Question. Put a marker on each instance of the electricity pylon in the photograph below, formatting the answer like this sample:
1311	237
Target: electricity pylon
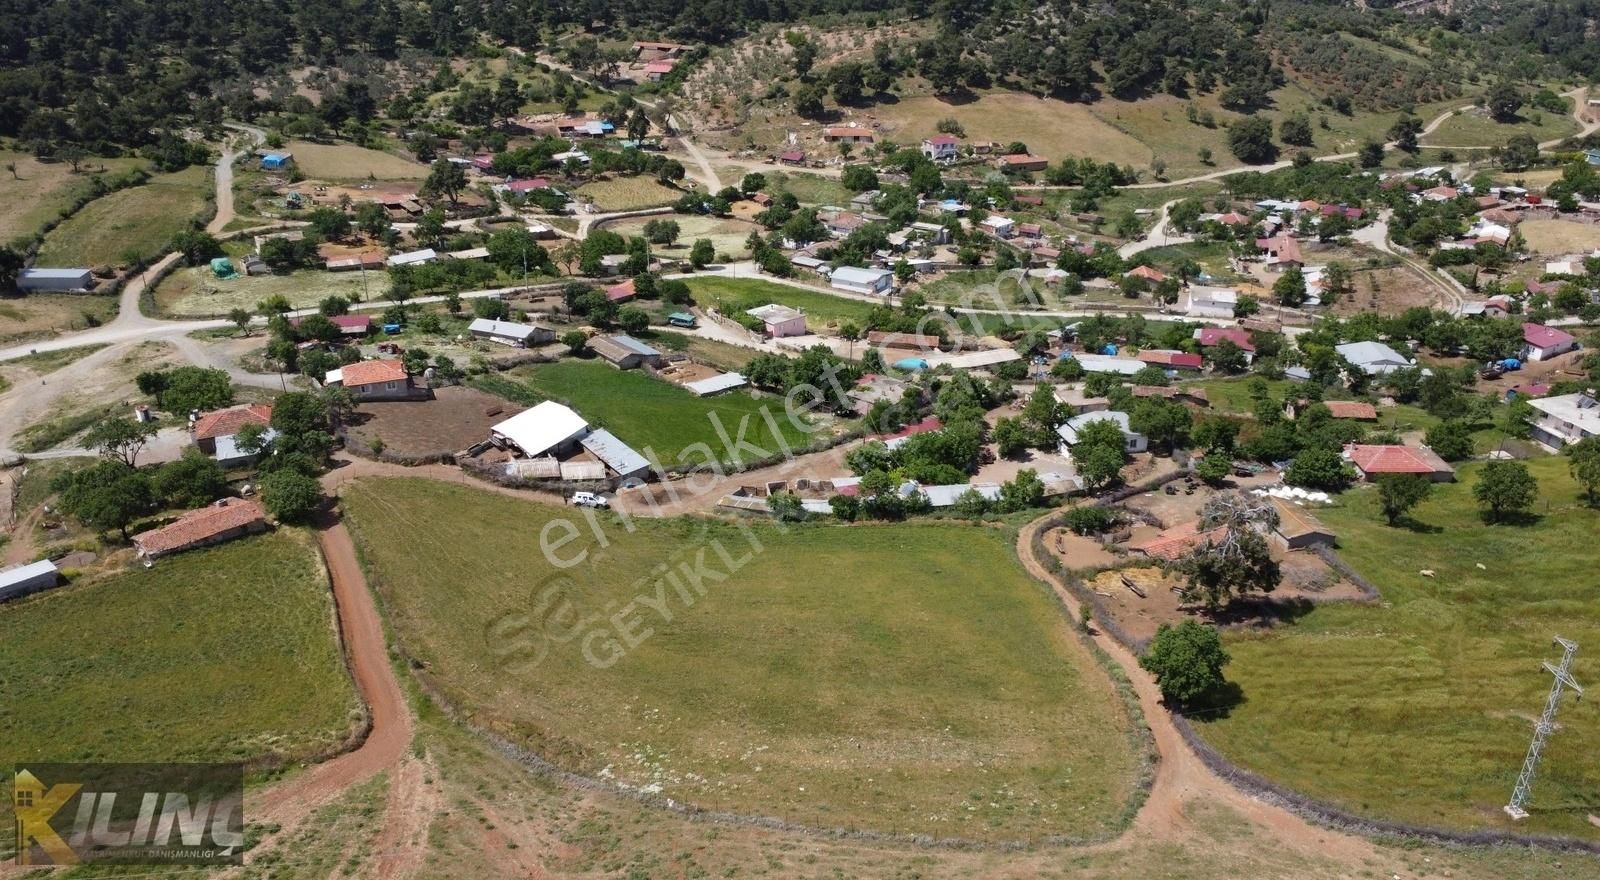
1546	724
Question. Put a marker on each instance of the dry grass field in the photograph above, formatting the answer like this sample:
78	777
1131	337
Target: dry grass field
727	236
1049	127
350	162
40	191
196	292
1560	236
138	221
45	314
628	193
1474	128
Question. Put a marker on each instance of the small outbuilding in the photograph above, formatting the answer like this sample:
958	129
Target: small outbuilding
779	321
25	579
510	333
223	521
40	280
1297	529
624	352
859	280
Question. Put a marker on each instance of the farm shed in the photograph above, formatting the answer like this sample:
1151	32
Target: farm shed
510	333
860	280
1297	528
548	429
223	521
716	384
276	161
624	352
32	280
31	578
621	458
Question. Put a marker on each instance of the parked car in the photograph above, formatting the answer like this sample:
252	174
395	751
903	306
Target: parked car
589	499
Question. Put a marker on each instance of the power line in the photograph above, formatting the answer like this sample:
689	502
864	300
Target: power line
1545	725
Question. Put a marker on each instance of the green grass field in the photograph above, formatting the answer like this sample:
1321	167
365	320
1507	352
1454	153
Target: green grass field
198	292
40	191
733	296
652	414
1420	709
727	236
1474	128
139	221
810	189
220	654
936	689
628	193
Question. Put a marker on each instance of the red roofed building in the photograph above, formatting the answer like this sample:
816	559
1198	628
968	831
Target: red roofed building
1151	275
941	147
1209	336
1440	193
655	70
1022	162
1029	230
1358	410
792	157
223	521
1233	218
620	293
850	134
1177	360
374	380
1176	541
1374	461
927	425
226	422
1283	252
529	185
1541	343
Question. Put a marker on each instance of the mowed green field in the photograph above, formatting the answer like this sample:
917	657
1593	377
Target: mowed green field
350	162
220	654
1421	709
40	191
733	296
906	678
657	418
140	220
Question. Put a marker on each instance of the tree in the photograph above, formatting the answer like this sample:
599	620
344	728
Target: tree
1290	288
1012	437
702	253
107	495
241	319
193	480
198	248
753	182
633	320
1520	151
119	439
1295	129
1370	155
1398	493
786	507
1250	140
1186	660
859	178
303	423
1164	422
1319	468
1226	356
186	389
807	100
1021	492
575	341
1503	101
1099	453
1213	469
1236	559
1405	132
289	496
329	222
1583	461
447	179
1451	439
516	250
1505	488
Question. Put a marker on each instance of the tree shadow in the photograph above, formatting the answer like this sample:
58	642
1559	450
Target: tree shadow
958	98
1412	524
1517	518
1260	611
1216	703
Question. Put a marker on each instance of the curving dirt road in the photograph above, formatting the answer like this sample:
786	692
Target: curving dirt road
1180	775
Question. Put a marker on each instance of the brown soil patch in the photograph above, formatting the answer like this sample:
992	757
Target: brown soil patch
1398	288
455	419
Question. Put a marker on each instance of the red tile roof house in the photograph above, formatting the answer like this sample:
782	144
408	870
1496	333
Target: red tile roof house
620	293
1022	162
655	70
941	147
223	521
792	157
1172	360
1029	230
1283	252
1541	343
1209	336
1176	541
227	422
850	134
1151	275
376	380
1360	411
1375	461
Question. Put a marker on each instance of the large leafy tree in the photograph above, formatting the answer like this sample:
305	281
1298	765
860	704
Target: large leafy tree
108	495
1505	489
1583	460
1398	493
1236	560
1186	660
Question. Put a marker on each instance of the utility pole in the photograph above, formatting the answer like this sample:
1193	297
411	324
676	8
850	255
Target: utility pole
1545	725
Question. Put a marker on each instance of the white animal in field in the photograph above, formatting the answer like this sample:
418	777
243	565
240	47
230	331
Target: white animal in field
1483	567
1427	572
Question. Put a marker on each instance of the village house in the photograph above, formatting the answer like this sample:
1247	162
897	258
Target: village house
1170	545
841	223
1541	343
779	321
651	50
1372	357
1074	395
1068	432
1283	253
276	161
1146	273
1170	360
986	359
873	387
42	280
941	147
1031	231
1108	363
349	325
655	70
222	521
413	258
374	380
1297	529
26	579
847	134
1372	461
1565	418
792	157
859	280
369	260
1212	336
214	432
621	292
510	333
1022	162
1212	302
998	226
624	352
